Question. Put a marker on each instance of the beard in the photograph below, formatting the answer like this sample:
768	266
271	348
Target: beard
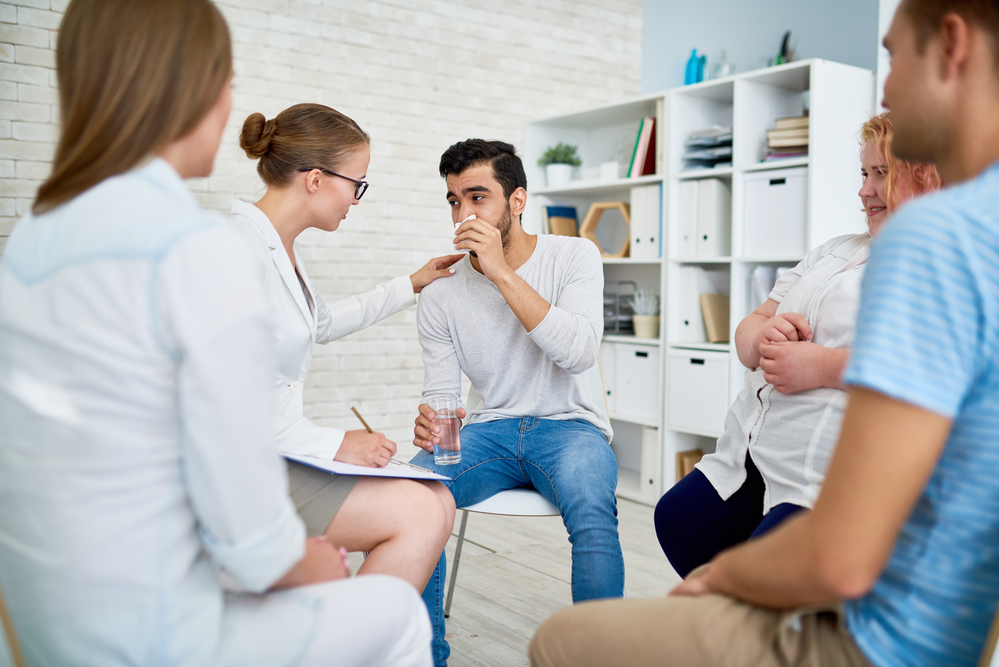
504	226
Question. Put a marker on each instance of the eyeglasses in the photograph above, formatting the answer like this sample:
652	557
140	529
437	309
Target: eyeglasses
360	187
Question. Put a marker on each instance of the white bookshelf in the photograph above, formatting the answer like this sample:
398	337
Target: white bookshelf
839	99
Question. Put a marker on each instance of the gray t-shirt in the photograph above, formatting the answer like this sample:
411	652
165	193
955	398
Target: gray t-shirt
466	325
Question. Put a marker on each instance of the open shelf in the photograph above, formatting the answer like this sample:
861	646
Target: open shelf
631	340
598	186
785	163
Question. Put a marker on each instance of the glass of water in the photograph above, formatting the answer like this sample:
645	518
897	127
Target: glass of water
445	409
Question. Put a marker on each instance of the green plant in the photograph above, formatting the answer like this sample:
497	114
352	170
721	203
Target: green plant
560	154
645	302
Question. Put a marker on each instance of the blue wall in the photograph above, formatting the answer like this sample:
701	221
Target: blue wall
750	30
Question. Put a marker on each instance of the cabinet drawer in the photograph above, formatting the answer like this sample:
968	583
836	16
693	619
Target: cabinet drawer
697	384
776	213
637	380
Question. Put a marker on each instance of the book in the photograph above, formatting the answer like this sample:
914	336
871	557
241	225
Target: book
796	142
650	153
791	122
642	148
562	220
634	151
799	133
714	309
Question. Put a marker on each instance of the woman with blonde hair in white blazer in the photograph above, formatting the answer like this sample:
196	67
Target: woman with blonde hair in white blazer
313	160
136	456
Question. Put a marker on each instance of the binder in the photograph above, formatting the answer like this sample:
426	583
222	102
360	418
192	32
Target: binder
646	213
687	230
694	281
714	210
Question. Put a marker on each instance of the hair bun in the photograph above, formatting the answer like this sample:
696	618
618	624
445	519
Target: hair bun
255	139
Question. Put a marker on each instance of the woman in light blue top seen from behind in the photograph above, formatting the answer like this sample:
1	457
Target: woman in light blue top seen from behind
136	453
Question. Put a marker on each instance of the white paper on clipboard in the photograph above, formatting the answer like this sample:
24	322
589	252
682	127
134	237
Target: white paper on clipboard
394	468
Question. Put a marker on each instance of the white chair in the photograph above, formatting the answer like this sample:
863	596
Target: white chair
524	501
8	628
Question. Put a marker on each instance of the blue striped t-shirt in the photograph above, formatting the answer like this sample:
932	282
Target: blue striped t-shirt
927	334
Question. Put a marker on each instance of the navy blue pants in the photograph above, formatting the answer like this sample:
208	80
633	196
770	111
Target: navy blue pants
694	524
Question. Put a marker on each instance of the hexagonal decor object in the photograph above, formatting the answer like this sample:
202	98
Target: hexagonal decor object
588	229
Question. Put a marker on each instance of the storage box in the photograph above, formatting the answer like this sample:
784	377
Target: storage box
776	213
697	386
637	381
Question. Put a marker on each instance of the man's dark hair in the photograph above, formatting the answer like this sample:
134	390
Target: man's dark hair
508	170
926	16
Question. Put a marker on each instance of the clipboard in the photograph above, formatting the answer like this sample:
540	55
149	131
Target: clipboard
394	469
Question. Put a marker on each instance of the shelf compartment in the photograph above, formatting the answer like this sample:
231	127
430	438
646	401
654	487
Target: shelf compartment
597	187
693	431
719	172
786	163
638	450
634	419
631	340
633	262
710	347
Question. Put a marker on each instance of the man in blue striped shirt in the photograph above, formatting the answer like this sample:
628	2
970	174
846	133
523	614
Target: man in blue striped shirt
906	528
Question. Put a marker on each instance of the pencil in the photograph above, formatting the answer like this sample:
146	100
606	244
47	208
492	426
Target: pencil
350	404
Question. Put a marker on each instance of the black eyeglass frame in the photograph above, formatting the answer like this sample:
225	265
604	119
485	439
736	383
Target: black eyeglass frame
360	187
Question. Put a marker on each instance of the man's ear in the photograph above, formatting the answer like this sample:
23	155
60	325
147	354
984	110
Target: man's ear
955	37
518	201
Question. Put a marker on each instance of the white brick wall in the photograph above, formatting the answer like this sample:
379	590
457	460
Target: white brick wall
417	75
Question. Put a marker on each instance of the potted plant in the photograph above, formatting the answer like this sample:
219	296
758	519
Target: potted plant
645	306
558	161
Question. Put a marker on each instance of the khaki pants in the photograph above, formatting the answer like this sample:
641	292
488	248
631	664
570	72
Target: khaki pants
709	630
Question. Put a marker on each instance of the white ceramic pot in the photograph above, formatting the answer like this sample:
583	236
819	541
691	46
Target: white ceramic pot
646	326
558	175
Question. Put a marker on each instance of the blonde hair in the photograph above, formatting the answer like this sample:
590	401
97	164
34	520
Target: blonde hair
904	179
302	136
134	76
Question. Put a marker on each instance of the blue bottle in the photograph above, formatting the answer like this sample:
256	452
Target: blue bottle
691	74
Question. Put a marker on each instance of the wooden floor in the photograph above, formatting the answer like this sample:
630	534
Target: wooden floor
515	573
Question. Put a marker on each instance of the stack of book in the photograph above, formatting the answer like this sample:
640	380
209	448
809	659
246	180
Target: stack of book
708	148
788	139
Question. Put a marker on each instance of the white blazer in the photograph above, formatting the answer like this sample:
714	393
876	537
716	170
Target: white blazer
135	457
300	327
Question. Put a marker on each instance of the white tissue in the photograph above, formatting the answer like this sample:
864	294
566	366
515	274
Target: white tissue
471	217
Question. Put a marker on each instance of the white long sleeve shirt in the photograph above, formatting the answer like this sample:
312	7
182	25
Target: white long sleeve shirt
791	437
300	325
136	455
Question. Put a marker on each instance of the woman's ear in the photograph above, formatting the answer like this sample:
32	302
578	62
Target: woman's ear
312	180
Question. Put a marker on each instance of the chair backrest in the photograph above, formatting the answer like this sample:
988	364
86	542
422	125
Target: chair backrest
594	379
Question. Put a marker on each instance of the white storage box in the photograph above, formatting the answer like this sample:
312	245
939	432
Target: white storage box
776	213
637	381
698	390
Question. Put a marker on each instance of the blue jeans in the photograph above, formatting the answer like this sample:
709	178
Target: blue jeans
572	465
